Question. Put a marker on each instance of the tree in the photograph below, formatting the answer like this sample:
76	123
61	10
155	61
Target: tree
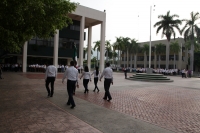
196	44
126	43
20	20
97	47
119	47
160	49
131	49
145	50
86	50
175	48
189	31
167	24
114	54
135	50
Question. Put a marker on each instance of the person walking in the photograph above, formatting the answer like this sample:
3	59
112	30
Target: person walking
96	78
50	77
108	79
86	77
125	72
72	78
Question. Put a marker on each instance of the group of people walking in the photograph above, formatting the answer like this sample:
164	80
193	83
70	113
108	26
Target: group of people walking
71	74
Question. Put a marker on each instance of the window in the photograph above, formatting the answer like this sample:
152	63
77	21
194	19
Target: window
140	58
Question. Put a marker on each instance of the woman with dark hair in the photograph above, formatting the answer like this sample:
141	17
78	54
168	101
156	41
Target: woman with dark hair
86	77
96	78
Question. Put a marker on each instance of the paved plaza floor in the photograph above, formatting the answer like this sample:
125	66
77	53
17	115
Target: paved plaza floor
136	107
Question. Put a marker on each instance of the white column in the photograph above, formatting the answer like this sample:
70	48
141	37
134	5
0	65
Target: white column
25	57
102	46
55	53
89	47
81	42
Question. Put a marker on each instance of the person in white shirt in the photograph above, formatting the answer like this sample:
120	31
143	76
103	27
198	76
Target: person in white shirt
72	78
86	77
96	78
62	68
50	76
66	67
183	73
108	76
79	69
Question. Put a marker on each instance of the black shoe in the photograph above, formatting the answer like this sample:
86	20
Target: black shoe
84	91
51	96
48	95
68	103
105	98
93	90
109	100
72	106
98	91
87	90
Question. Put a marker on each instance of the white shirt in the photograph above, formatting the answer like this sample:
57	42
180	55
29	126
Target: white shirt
95	76
86	75
71	73
107	73
51	71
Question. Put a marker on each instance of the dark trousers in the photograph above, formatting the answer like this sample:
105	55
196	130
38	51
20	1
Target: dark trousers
85	84
95	83
50	80
70	87
183	75
107	83
125	74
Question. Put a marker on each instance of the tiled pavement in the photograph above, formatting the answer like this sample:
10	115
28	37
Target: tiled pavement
159	107
24	111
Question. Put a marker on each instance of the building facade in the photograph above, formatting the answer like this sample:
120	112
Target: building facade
181	60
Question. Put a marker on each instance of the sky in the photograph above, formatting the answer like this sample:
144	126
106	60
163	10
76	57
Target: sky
131	18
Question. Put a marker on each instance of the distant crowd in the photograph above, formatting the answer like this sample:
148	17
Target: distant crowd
184	72
61	68
11	67
34	67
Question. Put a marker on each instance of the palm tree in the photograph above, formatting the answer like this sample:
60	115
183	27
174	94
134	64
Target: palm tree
196	44
108	48
145	49
190	30
94	60
114	46
160	48
167	24
86	50
136	48
126	43
131	50
119	47
97	47
175	48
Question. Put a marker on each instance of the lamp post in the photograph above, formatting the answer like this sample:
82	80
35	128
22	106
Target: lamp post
150	39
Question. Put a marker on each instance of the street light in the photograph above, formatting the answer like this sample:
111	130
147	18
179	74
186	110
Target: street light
150	40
